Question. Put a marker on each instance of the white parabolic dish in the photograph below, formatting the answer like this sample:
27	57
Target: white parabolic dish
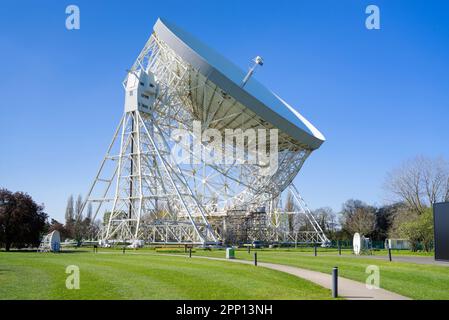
228	77
357	243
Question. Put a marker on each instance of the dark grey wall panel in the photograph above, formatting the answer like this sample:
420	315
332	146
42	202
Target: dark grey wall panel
441	224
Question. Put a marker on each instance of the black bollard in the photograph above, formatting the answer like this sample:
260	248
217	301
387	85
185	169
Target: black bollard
249	249
389	254
124	248
190	252
339	248
315	250
255	259
335	282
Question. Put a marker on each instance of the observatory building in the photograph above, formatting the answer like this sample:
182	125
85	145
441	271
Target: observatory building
204	153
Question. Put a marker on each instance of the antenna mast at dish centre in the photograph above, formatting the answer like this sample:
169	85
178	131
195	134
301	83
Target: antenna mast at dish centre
144	193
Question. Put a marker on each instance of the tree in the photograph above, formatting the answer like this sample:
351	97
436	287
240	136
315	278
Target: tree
22	221
427	229
327	219
79	208
419	230
95	228
290	208
106	217
357	216
7	205
400	217
89	211
70	218
56	225
81	227
81	231
89	223
420	182
77	226
385	217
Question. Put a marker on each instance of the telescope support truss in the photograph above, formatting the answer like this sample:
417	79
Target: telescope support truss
315	236
147	182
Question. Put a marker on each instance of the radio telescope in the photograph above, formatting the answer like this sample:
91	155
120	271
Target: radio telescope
160	180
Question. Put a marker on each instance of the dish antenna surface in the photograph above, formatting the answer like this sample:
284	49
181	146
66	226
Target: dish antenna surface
160	179
361	244
357	243
51	242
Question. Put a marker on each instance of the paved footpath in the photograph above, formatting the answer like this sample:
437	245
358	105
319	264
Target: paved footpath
409	259
395	258
347	289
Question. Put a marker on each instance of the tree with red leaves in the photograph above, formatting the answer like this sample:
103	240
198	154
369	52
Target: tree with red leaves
22	221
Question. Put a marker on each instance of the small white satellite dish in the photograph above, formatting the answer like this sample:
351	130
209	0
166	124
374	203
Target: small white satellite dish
51	242
357	243
136	244
104	243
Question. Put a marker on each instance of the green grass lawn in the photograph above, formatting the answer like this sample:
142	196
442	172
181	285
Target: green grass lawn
416	281
349	251
144	275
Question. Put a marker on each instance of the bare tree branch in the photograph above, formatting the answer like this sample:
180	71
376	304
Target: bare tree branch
420	182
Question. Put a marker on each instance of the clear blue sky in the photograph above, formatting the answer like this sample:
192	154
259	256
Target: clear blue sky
379	96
